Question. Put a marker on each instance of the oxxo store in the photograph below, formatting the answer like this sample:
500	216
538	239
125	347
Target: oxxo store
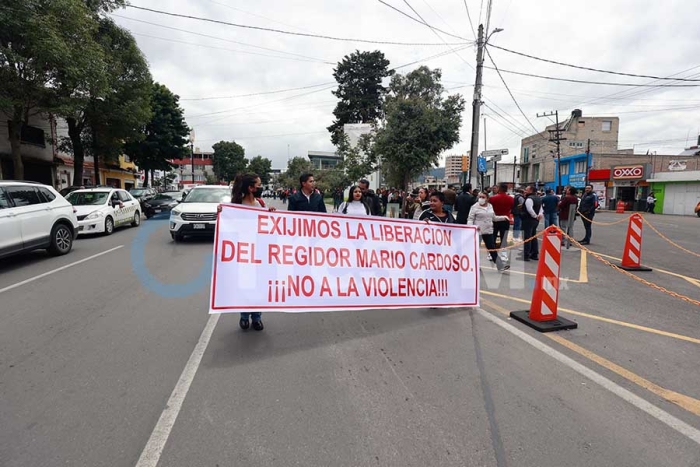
629	184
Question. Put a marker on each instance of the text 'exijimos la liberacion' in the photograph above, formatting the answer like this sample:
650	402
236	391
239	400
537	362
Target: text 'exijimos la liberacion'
331	228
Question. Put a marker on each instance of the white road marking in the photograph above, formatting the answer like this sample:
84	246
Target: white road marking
159	437
664	417
40	276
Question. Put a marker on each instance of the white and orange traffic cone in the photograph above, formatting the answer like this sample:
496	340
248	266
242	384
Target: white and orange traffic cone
632	256
543	315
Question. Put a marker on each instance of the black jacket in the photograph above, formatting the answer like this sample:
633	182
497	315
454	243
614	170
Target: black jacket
299	202
464	203
372	200
587	205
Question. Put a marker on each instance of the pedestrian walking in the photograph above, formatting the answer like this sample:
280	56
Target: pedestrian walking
651	203
307	198
502	204
589	201
550	205
247	190
464	203
484	218
372	200
569	199
355	206
531	215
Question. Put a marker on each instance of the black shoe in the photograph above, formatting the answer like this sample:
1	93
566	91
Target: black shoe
258	325
585	242
534	258
244	323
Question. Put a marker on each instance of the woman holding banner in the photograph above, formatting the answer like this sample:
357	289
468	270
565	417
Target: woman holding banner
482	216
247	190
355	206
437	213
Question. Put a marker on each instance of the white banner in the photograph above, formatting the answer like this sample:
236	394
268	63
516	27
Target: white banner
299	262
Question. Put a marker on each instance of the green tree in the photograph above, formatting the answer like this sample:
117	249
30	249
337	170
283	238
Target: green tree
108	112
164	137
359	160
262	166
330	179
228	160
41	41
420	125
295	168
360	91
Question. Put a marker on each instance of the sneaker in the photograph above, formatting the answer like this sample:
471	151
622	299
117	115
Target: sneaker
244	324
258	325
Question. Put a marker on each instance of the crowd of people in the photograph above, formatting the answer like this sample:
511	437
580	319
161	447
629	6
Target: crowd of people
491	210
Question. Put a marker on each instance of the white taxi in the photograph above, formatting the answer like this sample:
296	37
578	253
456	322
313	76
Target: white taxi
101	210
196	215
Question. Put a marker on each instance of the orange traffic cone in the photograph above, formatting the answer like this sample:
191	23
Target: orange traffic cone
543	315
632	256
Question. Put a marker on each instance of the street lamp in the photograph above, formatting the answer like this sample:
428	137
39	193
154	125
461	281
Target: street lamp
192	153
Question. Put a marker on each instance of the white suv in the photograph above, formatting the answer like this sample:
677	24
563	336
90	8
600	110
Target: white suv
196	215
34	216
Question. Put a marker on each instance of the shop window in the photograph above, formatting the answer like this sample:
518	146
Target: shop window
564	169
580	167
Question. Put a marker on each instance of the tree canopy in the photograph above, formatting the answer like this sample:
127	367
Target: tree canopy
228	160
262	166
164	137
420	124
360	91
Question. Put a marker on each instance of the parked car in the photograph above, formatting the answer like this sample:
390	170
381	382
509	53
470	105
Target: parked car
143	194
101	210
33	217
163	202
196	215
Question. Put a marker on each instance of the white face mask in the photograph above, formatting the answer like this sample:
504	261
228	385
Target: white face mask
482	201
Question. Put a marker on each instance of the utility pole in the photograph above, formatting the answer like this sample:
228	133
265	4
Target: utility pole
588	156
555	137
515	163
476	105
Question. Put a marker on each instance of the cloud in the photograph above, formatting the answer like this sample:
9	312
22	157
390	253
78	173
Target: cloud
657	38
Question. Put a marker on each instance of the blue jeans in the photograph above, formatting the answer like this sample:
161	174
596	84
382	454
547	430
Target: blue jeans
550	218
257	316
517	226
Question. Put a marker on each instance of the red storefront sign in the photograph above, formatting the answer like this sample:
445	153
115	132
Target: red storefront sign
628	172
599	175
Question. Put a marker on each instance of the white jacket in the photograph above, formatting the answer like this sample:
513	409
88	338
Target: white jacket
484	217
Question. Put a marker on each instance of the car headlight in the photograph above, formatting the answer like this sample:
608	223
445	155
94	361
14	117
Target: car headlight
146	205
95	215
175	213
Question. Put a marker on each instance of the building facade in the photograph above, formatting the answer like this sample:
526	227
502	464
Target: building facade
675	181
323	160
203	168
579	135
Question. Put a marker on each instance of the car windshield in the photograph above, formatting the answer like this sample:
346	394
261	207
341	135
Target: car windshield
171	195
137	192
209	195
94	198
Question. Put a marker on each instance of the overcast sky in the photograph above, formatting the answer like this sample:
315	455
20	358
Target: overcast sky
632	36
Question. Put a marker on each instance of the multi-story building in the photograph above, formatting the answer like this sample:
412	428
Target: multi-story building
454	169
675	181
580	136
322	160
203	168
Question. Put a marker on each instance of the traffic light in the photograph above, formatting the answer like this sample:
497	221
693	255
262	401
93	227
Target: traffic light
465	163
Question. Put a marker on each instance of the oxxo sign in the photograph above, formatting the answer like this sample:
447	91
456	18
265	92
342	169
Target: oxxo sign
628	172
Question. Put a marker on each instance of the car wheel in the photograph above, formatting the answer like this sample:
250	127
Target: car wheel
61	240
109	225
176	237
137	219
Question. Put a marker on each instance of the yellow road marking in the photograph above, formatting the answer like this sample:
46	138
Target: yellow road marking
692	280
583	271
686	402
606	320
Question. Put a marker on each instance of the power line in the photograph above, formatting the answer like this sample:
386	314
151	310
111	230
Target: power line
658	78
470	19
597	82
230	50
523	128
256	15
507	125
220	38
278	91
280	31
438	35
418	21
508	89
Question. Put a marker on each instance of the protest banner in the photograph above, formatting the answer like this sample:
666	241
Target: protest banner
300	262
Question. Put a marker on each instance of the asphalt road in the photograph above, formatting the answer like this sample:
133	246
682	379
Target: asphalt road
90	355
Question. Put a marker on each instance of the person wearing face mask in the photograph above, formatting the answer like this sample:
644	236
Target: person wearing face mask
355	206
247	190
483	217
